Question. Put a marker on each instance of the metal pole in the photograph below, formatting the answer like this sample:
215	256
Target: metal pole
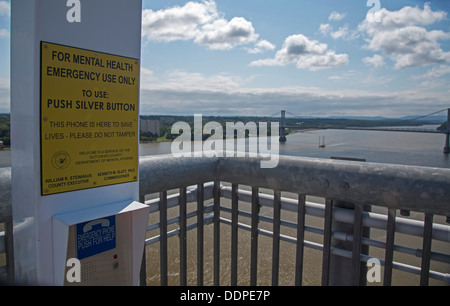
426	249
283	126
183	237
300	239
163	237
389	253
234	234
143	271
338	264
327	242
447	136
216	194
356	247
200	235
254	235
276	237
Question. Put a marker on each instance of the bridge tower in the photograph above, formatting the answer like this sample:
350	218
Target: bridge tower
447	136
283	126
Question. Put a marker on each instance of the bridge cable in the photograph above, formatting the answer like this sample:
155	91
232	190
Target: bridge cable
420	117
406	120
292	114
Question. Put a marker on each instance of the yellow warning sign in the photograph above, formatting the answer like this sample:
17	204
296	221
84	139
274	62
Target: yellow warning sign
89	119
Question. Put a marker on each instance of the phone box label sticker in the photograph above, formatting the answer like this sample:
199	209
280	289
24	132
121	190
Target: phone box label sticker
96	236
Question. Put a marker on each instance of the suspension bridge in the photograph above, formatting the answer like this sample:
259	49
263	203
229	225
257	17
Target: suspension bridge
284	126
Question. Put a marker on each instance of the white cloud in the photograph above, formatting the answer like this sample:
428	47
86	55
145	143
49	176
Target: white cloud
200	22
4	83
305	53
436	72
342	33
4	33
222	94
345	76
180	80
374	61
146	77
325	28
178	23
407	16
433	78
336	16
5	8
4	95
261	46
224	35
402	36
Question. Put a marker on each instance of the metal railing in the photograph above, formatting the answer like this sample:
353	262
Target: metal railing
239	204
393	188
6	228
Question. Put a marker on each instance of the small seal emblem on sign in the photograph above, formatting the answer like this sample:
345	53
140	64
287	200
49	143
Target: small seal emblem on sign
61	160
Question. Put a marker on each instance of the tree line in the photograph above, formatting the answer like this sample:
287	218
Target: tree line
300	123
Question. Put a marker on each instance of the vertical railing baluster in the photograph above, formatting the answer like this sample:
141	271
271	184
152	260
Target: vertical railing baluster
143	271
183	237
389	254
234	234
163	237
254	237
300	239
356	246
327	242
216	194
276	237
200	235
426	249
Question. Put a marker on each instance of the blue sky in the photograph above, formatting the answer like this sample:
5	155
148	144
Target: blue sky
312	58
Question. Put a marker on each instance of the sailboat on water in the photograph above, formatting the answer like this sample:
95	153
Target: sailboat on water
322	141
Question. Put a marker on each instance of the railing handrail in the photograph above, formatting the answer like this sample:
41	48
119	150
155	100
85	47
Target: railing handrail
393	186
414	188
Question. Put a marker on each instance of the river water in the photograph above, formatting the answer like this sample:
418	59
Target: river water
419	149
406	148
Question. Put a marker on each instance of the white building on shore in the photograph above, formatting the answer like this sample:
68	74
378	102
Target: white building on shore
151	126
